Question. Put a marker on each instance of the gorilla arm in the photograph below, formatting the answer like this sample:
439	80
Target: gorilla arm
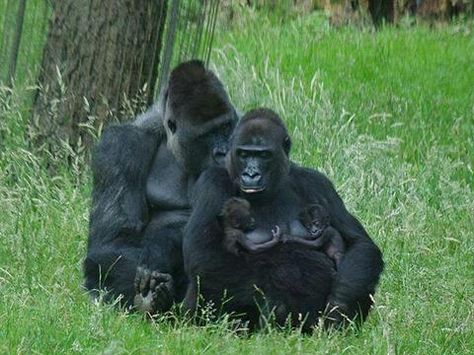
248	244
210	191
201	234
362	264
120	164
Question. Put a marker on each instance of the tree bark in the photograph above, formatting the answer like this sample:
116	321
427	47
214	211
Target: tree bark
99	55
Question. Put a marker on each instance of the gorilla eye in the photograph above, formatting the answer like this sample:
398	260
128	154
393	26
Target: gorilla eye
172	126
226	128
266	154
242	153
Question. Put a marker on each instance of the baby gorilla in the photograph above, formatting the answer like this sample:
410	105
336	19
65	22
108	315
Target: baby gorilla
321	234
240	233
239	229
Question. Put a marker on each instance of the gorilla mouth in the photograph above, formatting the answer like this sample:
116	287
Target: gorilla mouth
251	182
252	189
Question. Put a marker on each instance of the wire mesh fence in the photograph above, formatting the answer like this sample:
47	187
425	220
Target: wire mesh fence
23	30
188	32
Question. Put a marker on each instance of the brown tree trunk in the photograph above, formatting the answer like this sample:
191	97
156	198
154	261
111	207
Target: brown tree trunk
98	56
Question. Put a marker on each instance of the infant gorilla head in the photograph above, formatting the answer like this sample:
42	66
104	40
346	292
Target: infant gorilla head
236	215
240	232
315	219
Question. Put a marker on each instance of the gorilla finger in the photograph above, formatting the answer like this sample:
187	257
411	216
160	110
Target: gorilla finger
153	283
162	277
163	299
138	278
163	292
145	283
136	284
168	282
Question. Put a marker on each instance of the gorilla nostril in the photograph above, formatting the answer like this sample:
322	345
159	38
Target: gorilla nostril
252	174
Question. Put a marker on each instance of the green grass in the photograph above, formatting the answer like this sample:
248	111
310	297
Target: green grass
389	116
33	38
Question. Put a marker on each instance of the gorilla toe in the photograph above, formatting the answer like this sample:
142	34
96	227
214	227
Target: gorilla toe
153	290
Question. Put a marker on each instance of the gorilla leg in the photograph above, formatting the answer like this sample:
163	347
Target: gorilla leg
160	279
112	269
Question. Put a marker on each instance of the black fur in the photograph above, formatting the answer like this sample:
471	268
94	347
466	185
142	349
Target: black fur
142	174
294	279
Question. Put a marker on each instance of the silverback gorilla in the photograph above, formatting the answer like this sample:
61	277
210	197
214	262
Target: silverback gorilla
142	173
289	279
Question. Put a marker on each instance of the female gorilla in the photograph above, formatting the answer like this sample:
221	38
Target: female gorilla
288	278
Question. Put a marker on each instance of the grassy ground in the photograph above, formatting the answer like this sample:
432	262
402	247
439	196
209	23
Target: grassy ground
389	116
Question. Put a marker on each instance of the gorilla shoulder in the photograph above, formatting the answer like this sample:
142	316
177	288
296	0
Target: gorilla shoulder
302	177
111	154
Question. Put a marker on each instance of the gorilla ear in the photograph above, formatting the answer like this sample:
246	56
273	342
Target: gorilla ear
171	126
287	145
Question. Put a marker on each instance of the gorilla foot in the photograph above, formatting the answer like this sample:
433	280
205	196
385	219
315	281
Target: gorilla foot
335	316
154	291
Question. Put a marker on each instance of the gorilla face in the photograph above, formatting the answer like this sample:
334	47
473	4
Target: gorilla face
259	158
199	117
197	147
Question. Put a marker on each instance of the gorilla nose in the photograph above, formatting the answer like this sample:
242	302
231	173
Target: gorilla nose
219	155
251	177
251	181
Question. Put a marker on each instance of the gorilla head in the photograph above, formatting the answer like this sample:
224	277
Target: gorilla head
236	214
198	117
258	160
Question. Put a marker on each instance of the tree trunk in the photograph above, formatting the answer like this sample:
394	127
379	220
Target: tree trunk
382	10
99	57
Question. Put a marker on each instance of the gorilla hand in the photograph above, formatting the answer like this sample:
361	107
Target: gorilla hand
276	233
154	291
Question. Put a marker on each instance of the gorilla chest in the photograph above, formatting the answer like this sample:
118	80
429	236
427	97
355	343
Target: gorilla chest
281	215
167	184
